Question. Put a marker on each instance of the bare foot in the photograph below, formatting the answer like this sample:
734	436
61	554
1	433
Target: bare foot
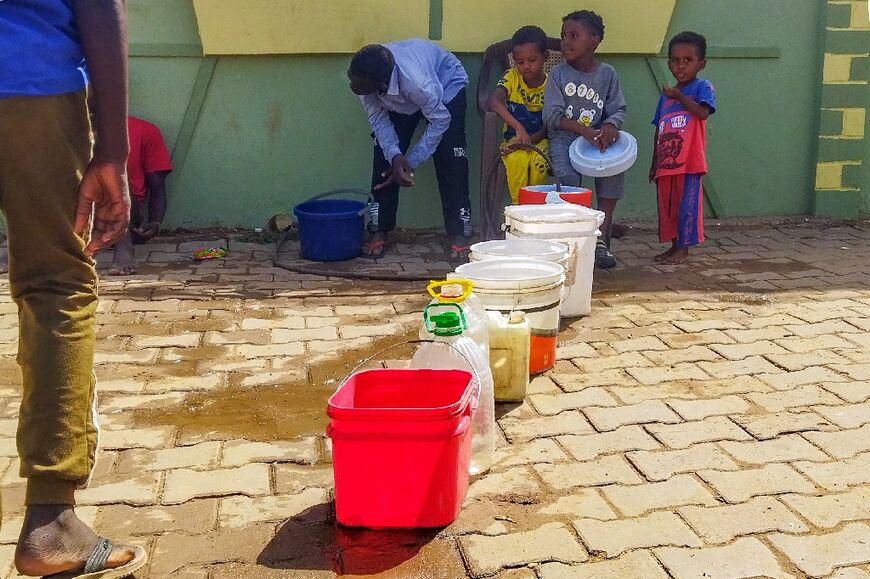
125	258
665	254
54	540
678	256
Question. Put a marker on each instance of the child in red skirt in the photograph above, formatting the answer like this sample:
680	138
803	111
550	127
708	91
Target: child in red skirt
679	158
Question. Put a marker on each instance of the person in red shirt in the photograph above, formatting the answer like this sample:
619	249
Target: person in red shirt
679	160
147	168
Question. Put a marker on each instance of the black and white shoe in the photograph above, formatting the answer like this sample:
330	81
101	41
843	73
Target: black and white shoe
603	258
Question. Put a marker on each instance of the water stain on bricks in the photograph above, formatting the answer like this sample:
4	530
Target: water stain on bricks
269	412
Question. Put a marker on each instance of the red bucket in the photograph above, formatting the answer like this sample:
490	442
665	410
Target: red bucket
401	447
537	195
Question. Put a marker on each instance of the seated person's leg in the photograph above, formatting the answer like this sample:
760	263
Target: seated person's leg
124	262
562	168
517	167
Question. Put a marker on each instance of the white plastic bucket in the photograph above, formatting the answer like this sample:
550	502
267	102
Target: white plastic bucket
542	221
577	228
578	274
528	285
525	248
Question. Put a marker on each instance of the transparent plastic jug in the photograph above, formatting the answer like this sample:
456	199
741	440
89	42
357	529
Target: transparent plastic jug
449	347
460	292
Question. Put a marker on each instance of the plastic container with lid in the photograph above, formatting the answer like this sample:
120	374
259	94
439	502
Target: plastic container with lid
587	159
451	348
576	227
509	355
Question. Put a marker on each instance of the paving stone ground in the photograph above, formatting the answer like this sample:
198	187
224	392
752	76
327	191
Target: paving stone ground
707	420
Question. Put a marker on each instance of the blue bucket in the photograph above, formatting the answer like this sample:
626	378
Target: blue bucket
331	229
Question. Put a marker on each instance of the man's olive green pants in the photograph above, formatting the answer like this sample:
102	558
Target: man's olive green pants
45	146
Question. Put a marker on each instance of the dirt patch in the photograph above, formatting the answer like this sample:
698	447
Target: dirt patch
271	412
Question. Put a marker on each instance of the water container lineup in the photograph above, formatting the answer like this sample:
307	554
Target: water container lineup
406	441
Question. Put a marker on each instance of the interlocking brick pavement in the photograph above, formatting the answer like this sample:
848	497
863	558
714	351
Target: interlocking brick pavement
706	420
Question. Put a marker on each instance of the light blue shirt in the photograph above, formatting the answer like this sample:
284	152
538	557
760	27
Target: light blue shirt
426	77
40	53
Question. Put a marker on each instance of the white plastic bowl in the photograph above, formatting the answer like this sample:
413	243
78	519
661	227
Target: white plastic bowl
588	159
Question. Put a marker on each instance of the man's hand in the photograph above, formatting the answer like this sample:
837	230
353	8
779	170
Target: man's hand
652	172
105	193
401	173
146	232
672	92
609	134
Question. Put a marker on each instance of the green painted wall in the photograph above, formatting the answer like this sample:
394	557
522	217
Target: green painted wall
275	129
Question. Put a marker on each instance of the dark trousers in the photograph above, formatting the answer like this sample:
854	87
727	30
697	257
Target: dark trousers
451	169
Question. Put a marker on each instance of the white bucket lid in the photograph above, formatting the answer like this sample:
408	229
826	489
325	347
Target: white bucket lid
588	159
532	248
561	213
511	273
552	187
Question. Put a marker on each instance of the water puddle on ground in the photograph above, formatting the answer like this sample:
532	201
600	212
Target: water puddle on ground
270	412
763	266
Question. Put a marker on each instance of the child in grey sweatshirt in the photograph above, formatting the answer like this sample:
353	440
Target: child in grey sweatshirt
583	99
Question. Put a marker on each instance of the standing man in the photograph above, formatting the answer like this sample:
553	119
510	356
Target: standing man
147	168
399	84
63	201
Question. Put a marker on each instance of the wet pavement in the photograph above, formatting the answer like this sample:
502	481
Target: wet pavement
710	419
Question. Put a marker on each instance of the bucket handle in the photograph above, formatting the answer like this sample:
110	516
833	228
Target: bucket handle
407	342
345	191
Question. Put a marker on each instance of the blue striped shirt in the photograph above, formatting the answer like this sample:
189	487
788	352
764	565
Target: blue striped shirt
426	77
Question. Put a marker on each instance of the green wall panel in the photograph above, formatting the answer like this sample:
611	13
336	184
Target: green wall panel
839	15
841	150
838	204
274	130
832	123
853	176
159	91
162	22
848	42
844	95
758	149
